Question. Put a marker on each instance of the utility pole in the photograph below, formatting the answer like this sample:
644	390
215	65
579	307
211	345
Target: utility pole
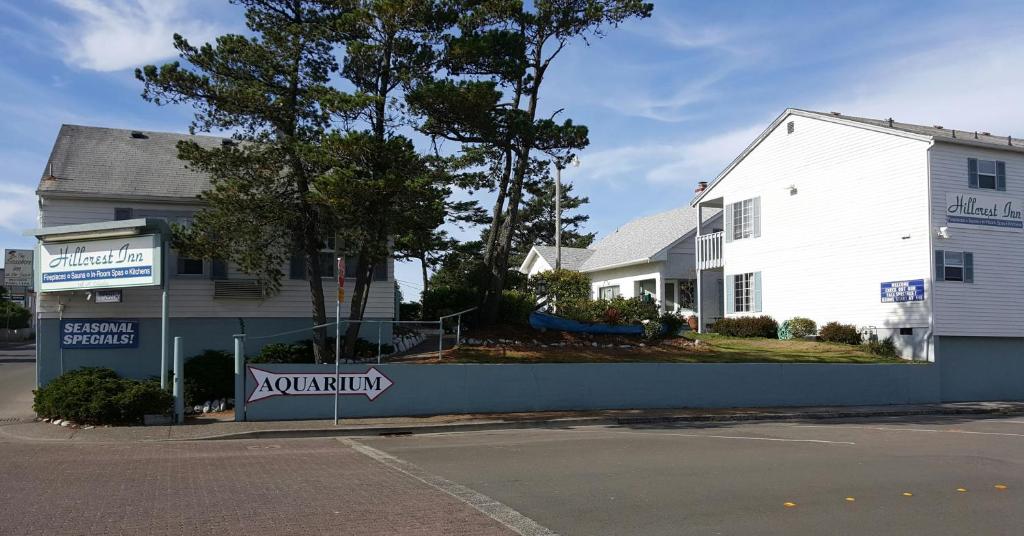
575	162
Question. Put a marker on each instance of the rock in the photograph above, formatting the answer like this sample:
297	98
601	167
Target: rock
90	427
206	406
594	344
57	422
65	423
642	345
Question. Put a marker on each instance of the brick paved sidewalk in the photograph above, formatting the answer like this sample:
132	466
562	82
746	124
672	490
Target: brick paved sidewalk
313	486
210	429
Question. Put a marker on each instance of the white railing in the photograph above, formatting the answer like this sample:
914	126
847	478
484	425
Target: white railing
709	250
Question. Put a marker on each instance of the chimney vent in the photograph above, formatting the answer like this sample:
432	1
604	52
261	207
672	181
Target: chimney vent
835	113
986	133
139	135
890	122
938	126
701	186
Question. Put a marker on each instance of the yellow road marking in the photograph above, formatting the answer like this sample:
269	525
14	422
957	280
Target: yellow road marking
962	490
850	499
789	504
1000	486
907	494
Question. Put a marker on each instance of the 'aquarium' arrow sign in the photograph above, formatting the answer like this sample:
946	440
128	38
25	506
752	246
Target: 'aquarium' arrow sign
269	384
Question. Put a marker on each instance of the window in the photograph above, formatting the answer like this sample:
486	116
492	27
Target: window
790	127
743	219
743	293
954	266
688	294
986	174
187	266
607	293
647	288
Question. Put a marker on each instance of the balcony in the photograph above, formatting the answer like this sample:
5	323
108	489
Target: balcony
709	250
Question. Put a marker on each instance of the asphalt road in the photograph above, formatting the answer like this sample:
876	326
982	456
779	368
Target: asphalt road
17	379
839	477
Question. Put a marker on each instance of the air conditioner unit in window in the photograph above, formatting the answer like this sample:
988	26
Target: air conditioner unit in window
238	289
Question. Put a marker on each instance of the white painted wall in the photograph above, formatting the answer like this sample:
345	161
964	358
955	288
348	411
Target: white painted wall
991	306
626	278
537	265
859	217
192	296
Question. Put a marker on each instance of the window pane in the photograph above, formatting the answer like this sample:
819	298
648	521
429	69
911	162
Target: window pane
954	273
954	258
987	181
987	166
190	266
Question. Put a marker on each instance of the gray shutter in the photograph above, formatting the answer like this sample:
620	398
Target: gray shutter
972	172
756	216
728	222
1000	175
730	294
968	267
297	267
757	292
940	265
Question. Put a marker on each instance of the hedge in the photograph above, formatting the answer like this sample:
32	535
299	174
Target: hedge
747	326
840	333
209	376
99	396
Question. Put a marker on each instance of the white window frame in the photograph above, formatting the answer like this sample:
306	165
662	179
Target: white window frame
743	219
614	290
947	263
991	175
743	293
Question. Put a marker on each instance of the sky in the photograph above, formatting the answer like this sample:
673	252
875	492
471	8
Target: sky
669	100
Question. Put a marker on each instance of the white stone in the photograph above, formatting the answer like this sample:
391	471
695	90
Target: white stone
57	422
65	423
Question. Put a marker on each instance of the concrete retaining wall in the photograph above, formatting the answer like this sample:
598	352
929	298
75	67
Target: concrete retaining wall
439	389
981	368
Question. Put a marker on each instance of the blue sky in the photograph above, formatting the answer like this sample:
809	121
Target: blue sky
669	100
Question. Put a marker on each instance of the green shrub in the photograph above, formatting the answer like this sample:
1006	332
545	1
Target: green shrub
568	290
13	316
99	396
516	306
672	323
801	327
209	376
652	330
444	300
840	333
410	311
747	326
280	352
883	348
635	310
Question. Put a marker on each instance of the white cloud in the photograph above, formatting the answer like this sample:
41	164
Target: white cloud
113	35
17	207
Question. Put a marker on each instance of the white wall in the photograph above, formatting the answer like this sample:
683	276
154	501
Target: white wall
626	278
537	266
192	296
993	304
859	218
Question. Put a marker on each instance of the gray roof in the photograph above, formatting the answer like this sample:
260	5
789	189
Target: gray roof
937	132
109	162
572	258
641	239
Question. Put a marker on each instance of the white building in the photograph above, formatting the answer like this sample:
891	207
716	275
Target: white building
907	231
101	175
652	256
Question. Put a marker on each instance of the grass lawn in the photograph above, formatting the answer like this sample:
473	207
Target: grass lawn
711	349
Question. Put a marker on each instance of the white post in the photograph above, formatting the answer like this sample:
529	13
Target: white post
164	333
440	337
337	357
239	378
179	383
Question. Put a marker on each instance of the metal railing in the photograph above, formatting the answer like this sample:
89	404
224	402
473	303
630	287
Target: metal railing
709	250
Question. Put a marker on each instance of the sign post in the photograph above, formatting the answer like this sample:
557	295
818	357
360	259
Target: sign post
337	334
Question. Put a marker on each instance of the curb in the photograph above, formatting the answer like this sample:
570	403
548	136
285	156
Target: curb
367	431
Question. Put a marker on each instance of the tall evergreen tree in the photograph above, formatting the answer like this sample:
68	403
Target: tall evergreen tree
272	90
537	217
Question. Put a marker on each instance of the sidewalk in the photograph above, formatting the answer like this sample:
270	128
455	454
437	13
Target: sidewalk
209	429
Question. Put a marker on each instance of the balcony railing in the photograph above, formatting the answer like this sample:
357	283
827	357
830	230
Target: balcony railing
709	250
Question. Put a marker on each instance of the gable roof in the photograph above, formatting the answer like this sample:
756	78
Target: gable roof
641	239
889	126
109	162
572	258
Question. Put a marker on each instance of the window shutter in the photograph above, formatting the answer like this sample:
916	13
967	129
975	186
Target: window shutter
968	267
380	271
218	269
1000	175
756	216
972	172
757	292
297	267
122	214
728	222
940	265
730	294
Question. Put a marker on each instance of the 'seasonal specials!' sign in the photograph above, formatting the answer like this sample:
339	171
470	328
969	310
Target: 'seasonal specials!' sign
108	263
269	384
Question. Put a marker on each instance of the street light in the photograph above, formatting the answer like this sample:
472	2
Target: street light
574	162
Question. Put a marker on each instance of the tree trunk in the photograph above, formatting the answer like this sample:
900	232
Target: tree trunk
360	294
423	269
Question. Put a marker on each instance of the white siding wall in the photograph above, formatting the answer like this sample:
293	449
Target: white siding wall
191	296
537	266
859	218
626	278
992	305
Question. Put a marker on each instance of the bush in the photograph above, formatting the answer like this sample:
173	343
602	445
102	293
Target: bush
516	306
445	300
100	396
280	352
209	376
568	290
747	326
410	311
652	330
672	323
797	328
883	348
635	310
840	333
13	316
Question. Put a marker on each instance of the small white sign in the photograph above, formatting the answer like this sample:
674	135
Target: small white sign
108	296
108	263
269	384
17	269
978	211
